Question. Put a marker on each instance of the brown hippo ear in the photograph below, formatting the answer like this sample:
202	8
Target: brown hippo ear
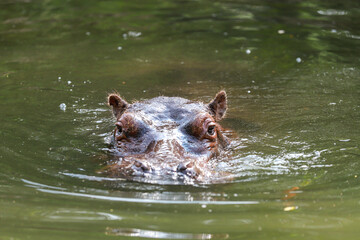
118	105
218	106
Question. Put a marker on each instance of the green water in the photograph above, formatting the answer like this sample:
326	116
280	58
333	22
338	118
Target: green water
291	71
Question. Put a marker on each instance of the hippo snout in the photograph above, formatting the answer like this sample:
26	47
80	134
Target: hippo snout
141	166
188	170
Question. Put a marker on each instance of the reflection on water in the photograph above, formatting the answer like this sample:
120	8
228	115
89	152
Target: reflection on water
154	201
330	12
154	198
73	215
133	232
92	178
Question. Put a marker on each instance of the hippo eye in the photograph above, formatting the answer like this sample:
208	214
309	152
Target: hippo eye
211	130
119	128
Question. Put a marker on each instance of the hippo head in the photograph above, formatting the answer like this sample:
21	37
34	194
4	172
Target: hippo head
166	135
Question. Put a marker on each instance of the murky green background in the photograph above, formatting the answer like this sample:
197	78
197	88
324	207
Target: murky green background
291	71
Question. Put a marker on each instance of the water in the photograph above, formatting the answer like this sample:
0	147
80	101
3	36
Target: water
291	72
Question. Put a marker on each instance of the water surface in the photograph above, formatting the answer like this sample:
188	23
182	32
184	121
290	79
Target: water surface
291	72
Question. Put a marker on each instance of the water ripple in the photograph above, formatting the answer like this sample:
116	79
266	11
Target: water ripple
61	191
151	201
135	232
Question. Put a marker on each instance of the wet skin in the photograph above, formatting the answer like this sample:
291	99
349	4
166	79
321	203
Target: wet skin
167	135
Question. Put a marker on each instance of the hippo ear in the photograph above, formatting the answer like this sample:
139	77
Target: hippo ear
218	105
118	105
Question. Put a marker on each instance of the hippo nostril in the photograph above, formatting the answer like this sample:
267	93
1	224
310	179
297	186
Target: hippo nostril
137	163
181	167
191	173
142	166
187	170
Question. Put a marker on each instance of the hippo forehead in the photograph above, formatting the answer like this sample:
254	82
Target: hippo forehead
165	111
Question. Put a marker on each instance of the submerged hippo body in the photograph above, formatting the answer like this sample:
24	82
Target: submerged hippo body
167	136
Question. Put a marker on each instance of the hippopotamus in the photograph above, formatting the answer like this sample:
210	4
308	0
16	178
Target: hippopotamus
167	136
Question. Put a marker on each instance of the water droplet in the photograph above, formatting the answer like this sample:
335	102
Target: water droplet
248	51
134	34
298	60
62	107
